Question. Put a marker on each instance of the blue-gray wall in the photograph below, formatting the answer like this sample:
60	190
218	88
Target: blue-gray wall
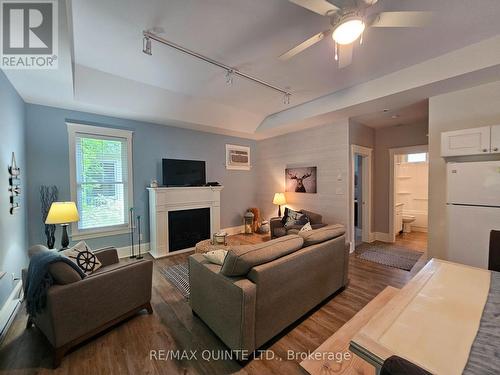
13	228
48	164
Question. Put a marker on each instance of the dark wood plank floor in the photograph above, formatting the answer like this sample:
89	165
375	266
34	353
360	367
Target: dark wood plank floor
125	349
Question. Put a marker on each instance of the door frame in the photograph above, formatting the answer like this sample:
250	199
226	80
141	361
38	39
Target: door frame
366	193
392	192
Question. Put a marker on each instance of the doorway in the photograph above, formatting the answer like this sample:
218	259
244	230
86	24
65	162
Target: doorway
361	187
408	194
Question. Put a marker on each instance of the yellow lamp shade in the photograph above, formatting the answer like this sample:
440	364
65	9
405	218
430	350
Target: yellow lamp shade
279	198
62	213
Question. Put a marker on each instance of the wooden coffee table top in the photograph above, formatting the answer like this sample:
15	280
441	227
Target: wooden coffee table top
234	240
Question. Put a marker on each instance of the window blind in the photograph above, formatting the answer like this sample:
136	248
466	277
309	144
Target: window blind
101	181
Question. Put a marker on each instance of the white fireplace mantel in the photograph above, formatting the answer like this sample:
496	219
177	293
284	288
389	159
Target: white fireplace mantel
163	199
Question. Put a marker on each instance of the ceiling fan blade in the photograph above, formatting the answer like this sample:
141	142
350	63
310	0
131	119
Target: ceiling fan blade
345	55
321	7
304	45
402	19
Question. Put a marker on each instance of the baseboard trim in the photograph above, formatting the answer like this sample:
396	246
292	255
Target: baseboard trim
418	229
125	251
380	236
9	310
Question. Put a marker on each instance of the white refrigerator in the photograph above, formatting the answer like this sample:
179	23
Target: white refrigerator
473	208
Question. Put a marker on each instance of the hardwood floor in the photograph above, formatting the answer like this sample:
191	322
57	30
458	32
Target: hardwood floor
125	349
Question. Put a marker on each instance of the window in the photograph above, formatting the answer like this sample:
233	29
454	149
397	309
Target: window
417	158
101	179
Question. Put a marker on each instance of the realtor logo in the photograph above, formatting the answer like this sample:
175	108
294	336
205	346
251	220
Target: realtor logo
29	34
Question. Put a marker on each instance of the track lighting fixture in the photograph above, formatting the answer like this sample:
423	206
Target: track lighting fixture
229	77
146	46
286	98
231	72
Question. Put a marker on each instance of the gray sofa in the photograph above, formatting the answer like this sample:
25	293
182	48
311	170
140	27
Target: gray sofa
78	309
278	228
261	289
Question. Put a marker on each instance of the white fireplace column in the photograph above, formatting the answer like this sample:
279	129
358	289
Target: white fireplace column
162	200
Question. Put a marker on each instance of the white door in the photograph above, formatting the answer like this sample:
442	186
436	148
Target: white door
475	183
495	139
466	142
469	234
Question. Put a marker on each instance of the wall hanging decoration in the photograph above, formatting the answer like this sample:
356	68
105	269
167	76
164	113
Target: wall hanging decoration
300	180
48	195
238	157
14	185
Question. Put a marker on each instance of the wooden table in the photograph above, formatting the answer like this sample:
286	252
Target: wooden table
233	240
320	363
431	322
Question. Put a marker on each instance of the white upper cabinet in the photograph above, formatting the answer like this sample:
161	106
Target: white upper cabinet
495	139
474	141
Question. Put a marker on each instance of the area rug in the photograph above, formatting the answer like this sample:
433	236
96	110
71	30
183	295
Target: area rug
178	276
389	255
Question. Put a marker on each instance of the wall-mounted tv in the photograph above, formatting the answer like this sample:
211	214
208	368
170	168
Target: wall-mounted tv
183	172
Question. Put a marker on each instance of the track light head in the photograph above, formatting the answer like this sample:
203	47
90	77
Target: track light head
146	46
229	77
286	98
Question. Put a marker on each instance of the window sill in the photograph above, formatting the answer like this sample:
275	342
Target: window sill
97	234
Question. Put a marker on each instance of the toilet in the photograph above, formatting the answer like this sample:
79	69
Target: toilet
407	220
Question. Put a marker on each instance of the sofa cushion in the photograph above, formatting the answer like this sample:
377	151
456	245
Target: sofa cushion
240	259
314	218
62	272
323	234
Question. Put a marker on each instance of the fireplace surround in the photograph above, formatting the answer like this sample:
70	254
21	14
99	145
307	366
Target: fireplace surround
163	201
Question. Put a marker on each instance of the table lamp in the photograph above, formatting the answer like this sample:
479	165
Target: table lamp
279	199
63	213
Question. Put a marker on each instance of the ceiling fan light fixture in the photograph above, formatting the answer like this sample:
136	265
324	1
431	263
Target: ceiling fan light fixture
348	30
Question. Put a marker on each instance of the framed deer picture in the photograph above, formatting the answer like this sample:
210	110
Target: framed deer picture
300	180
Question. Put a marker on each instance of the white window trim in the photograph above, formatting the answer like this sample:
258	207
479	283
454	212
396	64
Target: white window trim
73	129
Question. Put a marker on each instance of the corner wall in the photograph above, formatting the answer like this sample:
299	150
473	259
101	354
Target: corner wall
48	160
470	108
327	148
13	228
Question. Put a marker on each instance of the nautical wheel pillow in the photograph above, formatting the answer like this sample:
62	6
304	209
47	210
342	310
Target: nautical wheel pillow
83	257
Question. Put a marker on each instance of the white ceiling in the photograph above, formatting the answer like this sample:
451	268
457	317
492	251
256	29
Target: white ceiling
416	113
112	75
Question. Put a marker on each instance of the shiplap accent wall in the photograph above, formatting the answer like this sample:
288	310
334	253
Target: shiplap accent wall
327	148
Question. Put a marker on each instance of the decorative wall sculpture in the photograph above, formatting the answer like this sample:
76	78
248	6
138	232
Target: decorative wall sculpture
14	186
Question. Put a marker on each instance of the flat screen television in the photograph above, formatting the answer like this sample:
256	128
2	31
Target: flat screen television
183	172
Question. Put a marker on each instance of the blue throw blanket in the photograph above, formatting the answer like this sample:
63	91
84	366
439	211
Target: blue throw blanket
39	279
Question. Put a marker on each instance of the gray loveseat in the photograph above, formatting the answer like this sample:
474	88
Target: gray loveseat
78	309
278	228
261	289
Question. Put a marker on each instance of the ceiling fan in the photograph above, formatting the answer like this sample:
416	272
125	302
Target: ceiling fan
349	19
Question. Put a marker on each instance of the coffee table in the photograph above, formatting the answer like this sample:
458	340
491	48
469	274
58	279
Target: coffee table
206	245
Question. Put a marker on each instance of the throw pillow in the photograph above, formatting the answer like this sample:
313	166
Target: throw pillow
83	257
295	218
216	256
285	216
307	227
